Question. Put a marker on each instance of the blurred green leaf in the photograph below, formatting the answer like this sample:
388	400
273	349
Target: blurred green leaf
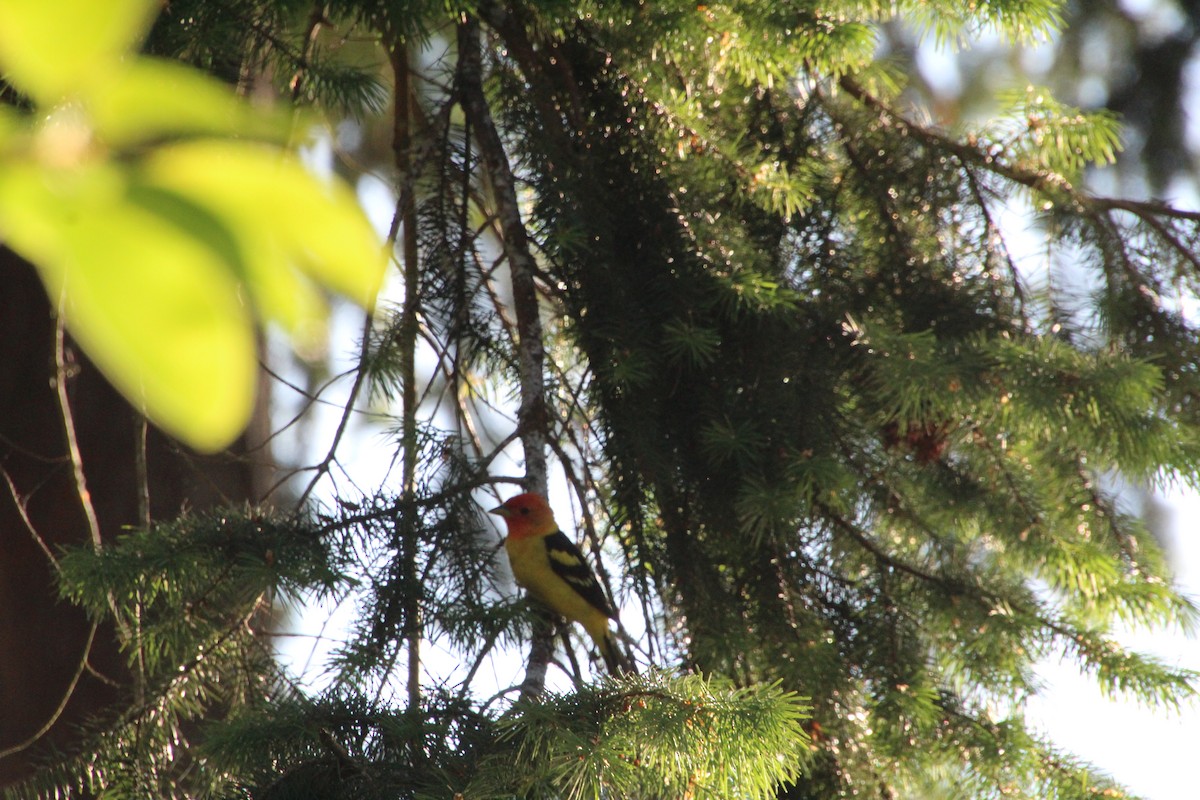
154	251
280	213
54	49
155	306
148	98
279	292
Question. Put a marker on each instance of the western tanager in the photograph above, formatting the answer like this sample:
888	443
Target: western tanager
554	571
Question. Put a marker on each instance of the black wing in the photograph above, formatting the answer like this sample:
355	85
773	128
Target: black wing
569	564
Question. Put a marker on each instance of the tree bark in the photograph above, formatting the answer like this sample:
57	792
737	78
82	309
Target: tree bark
56	669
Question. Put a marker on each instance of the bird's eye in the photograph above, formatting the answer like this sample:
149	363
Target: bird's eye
524	510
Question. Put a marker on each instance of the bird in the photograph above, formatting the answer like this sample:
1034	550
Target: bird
553	570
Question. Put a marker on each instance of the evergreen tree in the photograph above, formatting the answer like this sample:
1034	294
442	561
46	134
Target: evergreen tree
855	468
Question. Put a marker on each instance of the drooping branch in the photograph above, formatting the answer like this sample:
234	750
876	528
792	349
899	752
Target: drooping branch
989	160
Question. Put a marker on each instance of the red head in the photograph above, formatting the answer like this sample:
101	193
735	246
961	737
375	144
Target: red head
526	515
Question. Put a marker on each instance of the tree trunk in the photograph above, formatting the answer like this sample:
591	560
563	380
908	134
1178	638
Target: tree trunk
54	673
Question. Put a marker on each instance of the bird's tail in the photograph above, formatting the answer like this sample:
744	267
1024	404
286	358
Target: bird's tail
616	661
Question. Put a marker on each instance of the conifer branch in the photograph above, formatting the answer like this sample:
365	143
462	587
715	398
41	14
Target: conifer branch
992	230
1096	651
417	156
993	160
881	555
696	239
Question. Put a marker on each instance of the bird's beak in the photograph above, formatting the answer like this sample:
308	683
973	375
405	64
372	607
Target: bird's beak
500	511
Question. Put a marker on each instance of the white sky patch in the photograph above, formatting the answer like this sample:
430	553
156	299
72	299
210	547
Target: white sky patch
938	65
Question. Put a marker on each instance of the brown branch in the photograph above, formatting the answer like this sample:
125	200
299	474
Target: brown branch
992	229
882	556
419	156
974	591
507	19
311	29
61	377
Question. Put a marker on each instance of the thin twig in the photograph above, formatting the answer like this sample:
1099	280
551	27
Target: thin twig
62	703
22	506
360	377
68	419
